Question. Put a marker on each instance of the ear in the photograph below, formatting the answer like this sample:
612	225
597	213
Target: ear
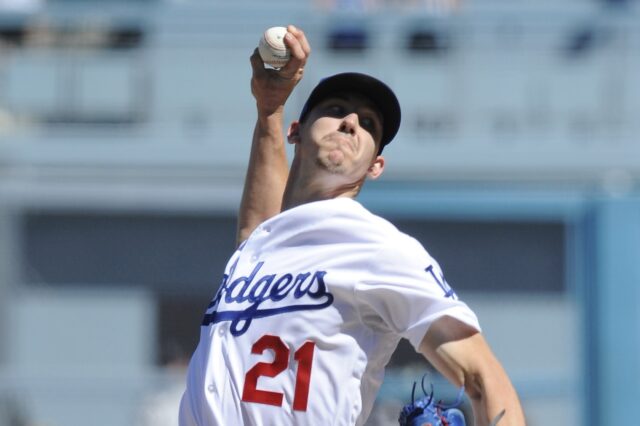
376	168
293	134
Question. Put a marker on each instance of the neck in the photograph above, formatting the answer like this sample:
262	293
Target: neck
296	198
301	189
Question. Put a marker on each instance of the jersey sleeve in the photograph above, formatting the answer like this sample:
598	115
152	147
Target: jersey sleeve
404	292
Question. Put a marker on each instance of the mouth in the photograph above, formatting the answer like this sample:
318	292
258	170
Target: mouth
342	140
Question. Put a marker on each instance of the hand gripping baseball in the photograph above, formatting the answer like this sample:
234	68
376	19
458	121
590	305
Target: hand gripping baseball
270	87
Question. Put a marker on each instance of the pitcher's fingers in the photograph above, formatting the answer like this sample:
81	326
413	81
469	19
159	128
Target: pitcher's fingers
299	34
297	52
298	58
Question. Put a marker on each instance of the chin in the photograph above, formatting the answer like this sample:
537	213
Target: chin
332	168
336	157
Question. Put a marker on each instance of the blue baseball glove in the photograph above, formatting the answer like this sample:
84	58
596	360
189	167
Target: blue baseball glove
429	412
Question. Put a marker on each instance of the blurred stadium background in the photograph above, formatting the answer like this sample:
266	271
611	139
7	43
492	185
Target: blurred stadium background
124	134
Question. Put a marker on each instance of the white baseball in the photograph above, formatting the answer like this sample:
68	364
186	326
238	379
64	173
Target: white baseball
272	49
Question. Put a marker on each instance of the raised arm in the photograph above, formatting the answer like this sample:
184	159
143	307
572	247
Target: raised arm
268	168
462	355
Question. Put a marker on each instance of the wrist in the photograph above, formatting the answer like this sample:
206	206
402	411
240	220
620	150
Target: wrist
270	116
266	111
270	125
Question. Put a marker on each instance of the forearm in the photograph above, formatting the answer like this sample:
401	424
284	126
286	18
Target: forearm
462	355
266	175
268	168
490	393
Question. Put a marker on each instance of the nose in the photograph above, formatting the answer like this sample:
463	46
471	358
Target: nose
349	124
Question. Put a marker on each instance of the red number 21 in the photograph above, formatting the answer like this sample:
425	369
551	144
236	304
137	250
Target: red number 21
280	362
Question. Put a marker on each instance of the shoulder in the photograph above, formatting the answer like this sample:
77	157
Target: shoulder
394	240
380	227
395	246
346	220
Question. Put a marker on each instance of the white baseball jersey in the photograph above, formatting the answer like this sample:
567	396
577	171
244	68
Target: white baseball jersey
310	309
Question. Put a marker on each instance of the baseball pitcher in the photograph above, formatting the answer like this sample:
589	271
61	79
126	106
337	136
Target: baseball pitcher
314	301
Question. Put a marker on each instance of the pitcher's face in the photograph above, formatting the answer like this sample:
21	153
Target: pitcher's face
341	135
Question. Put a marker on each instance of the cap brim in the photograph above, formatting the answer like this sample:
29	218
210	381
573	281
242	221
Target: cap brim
373	89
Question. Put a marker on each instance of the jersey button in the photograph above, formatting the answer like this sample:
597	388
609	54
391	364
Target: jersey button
254	257
211	388
222	330
267	229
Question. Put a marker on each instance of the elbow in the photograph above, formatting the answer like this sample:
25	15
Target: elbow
473	386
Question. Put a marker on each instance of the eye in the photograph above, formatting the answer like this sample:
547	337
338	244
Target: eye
336	110
369	124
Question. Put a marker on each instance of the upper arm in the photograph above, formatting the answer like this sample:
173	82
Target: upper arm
405	288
